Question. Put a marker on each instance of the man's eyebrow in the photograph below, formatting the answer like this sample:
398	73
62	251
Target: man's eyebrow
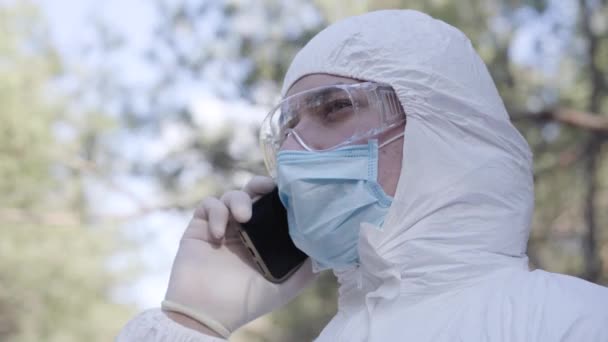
322	95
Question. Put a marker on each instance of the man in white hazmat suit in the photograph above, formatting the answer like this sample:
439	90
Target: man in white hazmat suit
430	242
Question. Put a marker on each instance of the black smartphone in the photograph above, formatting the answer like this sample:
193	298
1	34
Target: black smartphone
266	235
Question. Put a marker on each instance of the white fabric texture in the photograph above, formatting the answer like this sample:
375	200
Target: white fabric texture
449	263
154	326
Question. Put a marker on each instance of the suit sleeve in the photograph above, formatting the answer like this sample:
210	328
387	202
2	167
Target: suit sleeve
154	326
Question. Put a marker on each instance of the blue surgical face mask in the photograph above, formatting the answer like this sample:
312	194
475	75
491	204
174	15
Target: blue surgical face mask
328	195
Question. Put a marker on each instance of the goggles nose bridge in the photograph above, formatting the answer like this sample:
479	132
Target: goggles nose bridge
293	141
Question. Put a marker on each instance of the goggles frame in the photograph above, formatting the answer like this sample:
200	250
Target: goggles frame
380	97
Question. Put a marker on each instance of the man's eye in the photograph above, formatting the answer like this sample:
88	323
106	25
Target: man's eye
333	110
337	105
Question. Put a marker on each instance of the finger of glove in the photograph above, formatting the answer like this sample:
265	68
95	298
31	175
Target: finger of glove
259	185
239	204
216	214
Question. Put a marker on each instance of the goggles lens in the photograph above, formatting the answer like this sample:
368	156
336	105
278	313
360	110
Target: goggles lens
329	117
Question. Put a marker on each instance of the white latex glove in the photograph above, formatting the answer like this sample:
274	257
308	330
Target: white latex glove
213	275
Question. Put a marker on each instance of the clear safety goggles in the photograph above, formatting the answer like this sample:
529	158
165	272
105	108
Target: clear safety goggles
330	117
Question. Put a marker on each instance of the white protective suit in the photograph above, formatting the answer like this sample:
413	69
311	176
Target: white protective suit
449	263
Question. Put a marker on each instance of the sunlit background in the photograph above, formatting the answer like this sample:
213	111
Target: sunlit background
118	117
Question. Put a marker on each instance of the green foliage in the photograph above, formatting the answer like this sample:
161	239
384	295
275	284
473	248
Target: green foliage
54	279
55	285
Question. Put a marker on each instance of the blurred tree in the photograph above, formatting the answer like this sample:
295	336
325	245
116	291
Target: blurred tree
55	283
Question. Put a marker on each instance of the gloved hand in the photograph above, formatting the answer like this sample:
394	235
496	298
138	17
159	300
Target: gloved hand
213	276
